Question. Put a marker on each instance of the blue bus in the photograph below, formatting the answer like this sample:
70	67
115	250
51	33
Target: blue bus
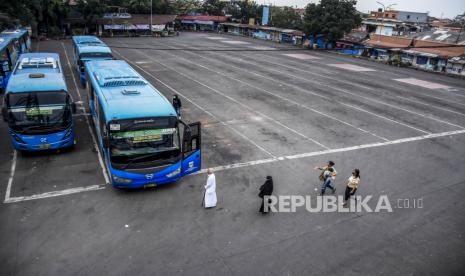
8	57
21	39
142	140
37	105
87	48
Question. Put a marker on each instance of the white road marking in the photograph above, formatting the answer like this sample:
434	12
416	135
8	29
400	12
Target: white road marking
55	193
235	42
433	106
215	37
142	62
302	56
246	164
385	118
281	97
423	83
312	93
353	94
352	67
323	152
94	140
262	48
198	106
236	101
12	175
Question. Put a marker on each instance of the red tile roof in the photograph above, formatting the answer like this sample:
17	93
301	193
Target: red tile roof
214	18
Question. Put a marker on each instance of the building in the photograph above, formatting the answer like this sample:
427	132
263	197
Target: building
201	22
275	34
393	22
124	24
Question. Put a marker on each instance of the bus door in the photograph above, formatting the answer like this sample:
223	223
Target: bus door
5	68
191	145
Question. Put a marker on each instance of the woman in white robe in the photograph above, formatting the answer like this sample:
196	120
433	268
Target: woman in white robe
209	199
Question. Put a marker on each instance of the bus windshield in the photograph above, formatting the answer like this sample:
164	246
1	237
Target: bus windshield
95	55
39	112
151	142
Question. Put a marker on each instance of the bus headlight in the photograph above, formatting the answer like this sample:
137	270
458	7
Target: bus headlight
121	180
174	173
17	139
68	133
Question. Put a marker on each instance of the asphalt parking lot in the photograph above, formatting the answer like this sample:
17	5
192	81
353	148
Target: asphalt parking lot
266	109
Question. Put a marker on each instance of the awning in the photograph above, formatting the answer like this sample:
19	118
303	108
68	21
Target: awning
412	52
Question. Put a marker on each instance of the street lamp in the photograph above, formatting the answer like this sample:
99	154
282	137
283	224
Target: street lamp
384	11
151	22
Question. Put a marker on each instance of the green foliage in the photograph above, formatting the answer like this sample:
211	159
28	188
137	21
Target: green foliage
214	7
331	18
285	17
242	11
185	6
91	10
40	14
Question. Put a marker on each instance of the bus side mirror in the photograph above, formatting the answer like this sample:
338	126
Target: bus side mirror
4	114
106	142
73	107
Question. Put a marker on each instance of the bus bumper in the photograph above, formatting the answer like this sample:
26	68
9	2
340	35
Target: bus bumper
43	142
125	180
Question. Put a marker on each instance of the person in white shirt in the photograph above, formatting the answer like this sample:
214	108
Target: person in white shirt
209	199
352	185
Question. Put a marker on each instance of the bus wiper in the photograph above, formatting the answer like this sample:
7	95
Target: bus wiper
145	156
138	158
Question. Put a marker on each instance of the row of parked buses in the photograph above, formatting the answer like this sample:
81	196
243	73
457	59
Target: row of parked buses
142	140
12	44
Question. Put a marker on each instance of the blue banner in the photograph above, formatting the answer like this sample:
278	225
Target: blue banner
266	15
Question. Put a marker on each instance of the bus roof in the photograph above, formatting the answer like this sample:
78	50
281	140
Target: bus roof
4	41
124	93
86	39
14	33
37	72
90	44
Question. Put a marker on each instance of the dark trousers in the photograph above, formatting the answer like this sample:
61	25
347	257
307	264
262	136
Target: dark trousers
349	193
178	110
326	184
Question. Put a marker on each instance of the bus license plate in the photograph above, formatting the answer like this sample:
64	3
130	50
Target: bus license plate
44	146
150	185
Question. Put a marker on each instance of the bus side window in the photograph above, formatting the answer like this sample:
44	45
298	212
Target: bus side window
101	120
91	93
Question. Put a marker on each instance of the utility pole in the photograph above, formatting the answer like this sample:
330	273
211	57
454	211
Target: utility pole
151	22
382	18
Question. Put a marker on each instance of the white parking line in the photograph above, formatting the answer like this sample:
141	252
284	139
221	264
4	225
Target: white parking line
12	175
323	152
100	159
356	95
236	101
314	93
432	106
55	193
302	56
244	164
235	42
281	97
351	67
423	83
300	65
195	104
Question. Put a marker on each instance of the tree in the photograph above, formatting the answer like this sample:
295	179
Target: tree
214	7
285	17
331	18
46	15
91	10
185	6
